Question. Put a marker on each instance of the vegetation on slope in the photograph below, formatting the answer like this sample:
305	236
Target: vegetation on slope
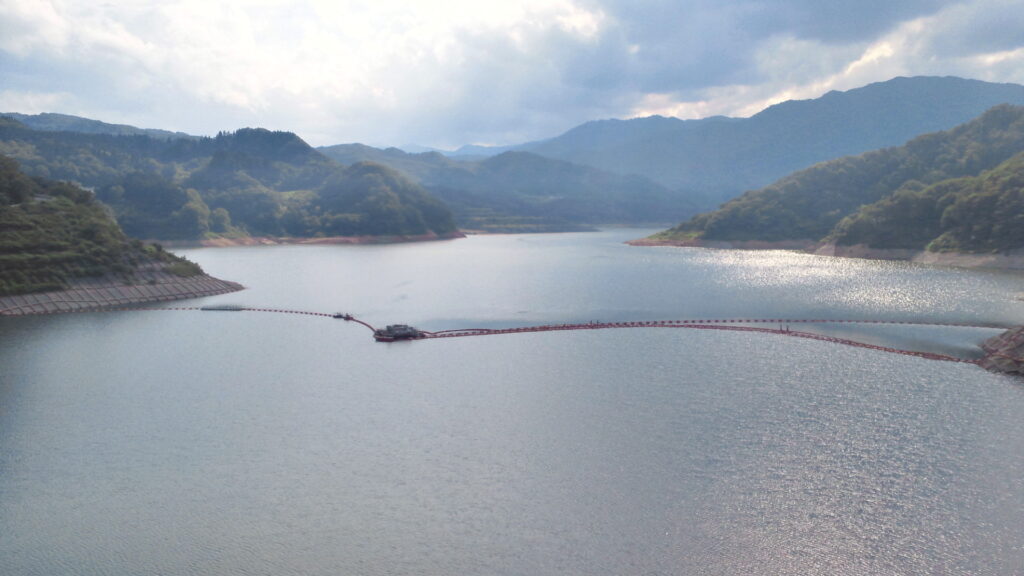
973	214
51	232
248	182
369	198
890	195
524	192
715	159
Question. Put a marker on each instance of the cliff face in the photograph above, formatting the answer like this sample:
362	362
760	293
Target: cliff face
1005	353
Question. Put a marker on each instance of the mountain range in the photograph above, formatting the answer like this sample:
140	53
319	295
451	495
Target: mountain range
647	170
52	122
715	159
525	192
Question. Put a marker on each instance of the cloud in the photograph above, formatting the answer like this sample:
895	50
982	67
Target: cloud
449	72
980	40
32	102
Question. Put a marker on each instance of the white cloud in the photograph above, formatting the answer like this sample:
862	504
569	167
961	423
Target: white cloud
448	72
27	27
320	61
32	102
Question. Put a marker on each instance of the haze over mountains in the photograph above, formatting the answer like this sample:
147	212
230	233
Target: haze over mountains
53	122
714	159
525	192
646	170
679	167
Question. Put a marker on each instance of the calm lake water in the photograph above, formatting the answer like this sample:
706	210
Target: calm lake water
195	443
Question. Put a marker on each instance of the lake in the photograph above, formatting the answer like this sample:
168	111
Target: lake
194	443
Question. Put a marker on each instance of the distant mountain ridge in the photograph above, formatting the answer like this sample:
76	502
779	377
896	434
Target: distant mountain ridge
645	170
53	122
525	192
717	158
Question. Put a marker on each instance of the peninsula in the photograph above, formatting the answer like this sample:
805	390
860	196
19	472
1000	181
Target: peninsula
60	251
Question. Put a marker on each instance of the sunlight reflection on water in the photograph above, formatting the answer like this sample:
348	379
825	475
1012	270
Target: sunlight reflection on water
188	443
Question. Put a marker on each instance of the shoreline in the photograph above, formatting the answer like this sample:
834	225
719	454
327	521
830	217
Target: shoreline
289	240
91	294
1006	261
1005	353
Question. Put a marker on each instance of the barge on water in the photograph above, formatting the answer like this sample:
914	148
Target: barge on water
395	332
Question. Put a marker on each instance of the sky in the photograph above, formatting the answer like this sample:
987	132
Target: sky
444	73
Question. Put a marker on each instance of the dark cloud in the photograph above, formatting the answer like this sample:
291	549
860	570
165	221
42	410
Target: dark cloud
665	46
978	29
514	89
832	21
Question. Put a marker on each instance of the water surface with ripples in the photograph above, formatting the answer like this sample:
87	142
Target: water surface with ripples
184	443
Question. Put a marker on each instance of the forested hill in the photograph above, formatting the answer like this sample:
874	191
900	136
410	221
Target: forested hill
971	215
53	232
715	159
958	190
249	182
523	192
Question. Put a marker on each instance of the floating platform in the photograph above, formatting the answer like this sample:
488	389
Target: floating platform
395	332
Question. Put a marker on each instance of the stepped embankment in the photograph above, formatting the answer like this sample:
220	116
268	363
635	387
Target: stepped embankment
83	294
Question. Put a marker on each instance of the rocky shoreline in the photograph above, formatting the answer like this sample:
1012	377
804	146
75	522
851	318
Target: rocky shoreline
1013	260
99	293
1005	353
281	240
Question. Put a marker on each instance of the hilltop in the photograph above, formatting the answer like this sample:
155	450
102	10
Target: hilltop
524	192
251	182
960	190
714	159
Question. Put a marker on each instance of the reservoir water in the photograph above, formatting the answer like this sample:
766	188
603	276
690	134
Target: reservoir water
195	443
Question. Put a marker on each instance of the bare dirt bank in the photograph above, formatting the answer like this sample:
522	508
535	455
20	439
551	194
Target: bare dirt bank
1013	260
99	293
276	240
728	245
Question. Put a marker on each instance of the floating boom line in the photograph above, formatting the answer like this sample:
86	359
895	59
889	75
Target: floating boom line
728	324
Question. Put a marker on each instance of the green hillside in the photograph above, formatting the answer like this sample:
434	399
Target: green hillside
248	182
974	214
524	192
51	232
934	191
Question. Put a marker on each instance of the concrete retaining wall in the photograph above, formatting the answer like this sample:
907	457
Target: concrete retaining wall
96	293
